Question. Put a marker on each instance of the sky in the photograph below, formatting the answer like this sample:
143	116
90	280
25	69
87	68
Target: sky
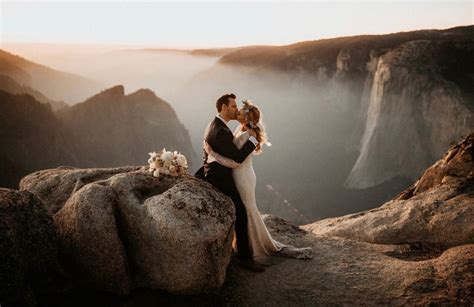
219	24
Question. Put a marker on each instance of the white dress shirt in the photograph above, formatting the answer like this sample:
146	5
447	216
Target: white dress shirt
252	138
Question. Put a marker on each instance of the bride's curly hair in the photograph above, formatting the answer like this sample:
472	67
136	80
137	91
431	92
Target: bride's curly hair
254	120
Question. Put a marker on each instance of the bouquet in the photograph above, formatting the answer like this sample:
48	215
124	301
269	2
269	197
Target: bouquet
168	163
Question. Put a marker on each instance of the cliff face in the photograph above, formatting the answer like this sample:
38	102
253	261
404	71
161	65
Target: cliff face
414	112
112	128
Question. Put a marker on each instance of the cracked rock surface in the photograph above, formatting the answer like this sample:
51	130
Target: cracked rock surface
122	228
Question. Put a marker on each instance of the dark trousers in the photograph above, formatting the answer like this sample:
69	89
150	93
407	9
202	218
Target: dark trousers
241	231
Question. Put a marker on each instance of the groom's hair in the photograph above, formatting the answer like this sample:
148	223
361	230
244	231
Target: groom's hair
224	99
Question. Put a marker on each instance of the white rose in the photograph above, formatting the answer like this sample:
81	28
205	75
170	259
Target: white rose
167	163
167	155
166	172
182	160
156	173
172	168
152	155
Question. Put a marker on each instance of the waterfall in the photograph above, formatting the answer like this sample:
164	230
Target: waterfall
382	75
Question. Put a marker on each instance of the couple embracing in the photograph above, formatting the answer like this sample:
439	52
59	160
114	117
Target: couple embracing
228	167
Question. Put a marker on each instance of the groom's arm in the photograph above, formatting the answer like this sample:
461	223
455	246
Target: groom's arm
225	146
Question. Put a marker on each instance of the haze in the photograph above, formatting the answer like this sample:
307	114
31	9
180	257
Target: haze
306	165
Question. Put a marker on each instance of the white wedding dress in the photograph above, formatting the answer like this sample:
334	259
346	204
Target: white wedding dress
261	243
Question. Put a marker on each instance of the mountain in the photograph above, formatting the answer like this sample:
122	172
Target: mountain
32	138
57	85
216	52
112	128
9	85
332	54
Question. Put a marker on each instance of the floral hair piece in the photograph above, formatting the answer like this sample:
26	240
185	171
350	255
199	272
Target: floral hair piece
246	110
247	104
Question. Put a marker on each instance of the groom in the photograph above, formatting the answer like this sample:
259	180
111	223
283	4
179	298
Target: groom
220	138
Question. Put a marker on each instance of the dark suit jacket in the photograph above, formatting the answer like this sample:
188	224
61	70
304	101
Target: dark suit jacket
220	138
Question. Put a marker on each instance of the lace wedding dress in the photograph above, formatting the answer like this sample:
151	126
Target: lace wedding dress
261	243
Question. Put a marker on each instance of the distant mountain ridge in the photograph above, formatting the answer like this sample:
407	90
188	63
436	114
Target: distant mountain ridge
9	85
110	128
57	85
309	56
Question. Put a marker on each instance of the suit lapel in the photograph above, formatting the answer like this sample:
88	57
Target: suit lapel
222	124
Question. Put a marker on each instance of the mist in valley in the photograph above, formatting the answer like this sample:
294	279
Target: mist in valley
314	124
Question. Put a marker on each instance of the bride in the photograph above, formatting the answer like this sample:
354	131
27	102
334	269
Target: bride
262	245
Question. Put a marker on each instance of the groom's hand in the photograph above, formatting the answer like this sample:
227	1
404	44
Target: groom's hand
252	133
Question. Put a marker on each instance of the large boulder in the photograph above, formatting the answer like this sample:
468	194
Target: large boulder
90	247
177	231
122	228
28	247
55	186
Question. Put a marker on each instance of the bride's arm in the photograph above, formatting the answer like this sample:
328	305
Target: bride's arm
220	159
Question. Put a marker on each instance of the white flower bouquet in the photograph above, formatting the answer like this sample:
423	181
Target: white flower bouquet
167	163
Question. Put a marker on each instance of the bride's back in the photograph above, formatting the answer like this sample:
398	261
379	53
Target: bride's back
245	170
